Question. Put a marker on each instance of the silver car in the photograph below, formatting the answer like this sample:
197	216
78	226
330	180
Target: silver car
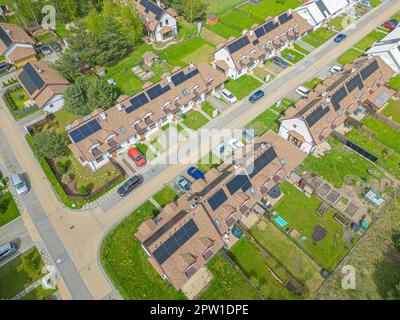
19	184
7	250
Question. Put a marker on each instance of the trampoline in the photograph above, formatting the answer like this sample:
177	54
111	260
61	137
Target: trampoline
280	221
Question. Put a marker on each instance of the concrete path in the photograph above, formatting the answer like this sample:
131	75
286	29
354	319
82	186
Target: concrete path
305	45
218	104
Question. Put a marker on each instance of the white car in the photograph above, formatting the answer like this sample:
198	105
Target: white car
19	184
336	69
236	144
303	92
228	96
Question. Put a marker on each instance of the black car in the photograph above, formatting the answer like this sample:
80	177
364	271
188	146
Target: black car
4	67
55	46
129	185
280	62
340	37
256	96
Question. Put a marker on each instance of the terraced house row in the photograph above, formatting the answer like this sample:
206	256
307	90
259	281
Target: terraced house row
190	231
97	136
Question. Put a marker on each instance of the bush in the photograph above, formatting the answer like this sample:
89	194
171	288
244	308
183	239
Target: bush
63	167
84	190
3	206
50	145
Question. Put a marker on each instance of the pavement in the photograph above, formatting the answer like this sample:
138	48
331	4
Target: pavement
74	237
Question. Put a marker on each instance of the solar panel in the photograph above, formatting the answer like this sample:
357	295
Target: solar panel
5	38
177	240
285	18
261	162
361	151
157	91
217	199
316	115
369	70
137	102
259	32
270	26
181	77
150	6
338	97
31	79
255	42
238	44
85	131
241	181
354	83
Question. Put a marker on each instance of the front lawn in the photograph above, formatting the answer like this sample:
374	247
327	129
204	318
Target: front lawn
270	8
208	162
300	49
370	39
209	109
312	83
221	6
243	86
194	120
311	41
18	97
165	196
337	23
392	110
394	82
292	55
20	273
227	283
11	211
322	34
39	293
299	212
349	56
127	265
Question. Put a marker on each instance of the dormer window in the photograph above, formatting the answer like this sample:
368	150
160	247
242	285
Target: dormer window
176	99
137	122
185	92
252	52
210	80
166	105
195	87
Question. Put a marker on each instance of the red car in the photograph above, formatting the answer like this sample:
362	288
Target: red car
391	24
137	157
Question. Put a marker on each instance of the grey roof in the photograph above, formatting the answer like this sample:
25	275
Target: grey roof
31	79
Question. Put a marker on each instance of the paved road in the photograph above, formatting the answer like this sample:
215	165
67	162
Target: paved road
75	237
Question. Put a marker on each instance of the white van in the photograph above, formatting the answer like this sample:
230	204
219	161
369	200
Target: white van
303	92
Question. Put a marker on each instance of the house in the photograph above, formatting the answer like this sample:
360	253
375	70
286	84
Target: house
316	12
96	137
388	49
160	25
16	45
189	232
254	47
44	85
311	120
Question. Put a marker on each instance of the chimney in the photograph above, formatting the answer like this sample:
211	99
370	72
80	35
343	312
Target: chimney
325	93
328	99
289	12
251	32
169	79
264	145
191	65
119	107
354	69
103	116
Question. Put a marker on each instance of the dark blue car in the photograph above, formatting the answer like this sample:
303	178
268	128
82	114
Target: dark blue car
340	37
256	96
195	173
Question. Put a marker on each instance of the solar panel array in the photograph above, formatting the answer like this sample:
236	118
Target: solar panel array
369	70
150	6
285	18
5	38
177	240
270	26
354	83
137	102
181	77
241	181
316	115
261	162
216	200
31	79
361	151
259	32
238	44
157	91
338	97
85	131
255	42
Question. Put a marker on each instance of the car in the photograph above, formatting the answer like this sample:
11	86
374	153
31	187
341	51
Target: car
55	46
46	50
228	96
280	62
19	184
183	183
256	96
365	4
303	91
7	250
137	157
129	185
4	67
336	69
195	173
391	24
340	37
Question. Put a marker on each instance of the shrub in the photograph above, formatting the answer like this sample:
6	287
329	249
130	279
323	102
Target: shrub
84	190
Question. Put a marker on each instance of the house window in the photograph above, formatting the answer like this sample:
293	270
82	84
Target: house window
167	22
160	23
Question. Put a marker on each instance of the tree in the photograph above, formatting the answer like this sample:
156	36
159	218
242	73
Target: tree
102	95
194	10
3	206
67	65
31	262
50	145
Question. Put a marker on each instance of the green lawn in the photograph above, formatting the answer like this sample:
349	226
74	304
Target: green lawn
294	55
299	212
270	8
300	49
11	212
39	293
262	73
18	97
300	265
394	82
254	265
165	196
227	283
208	162
349	56
311	41
322	34
392	110
209	109
337	23
202	54
194	120
15	275
127	265
243	86
62	119
340	163
371	38
312	83
221	6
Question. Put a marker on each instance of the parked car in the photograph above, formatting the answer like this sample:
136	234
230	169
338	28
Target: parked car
19	184
195	173
46	50
7	250
280	62
391	24
365	4
256	96
55	46
340	37
303	91
336	69
137	157
4	67
183	183
228	96
129	185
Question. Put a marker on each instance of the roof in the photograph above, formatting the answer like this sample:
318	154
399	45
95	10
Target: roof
127	118
151	12
388	42
225	195
41	81
330	104
10	34
149	56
